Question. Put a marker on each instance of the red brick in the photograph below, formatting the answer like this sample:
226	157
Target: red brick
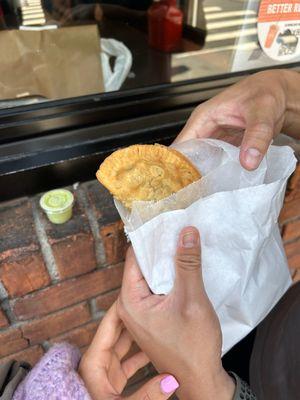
102	203
22	268
76	225
54	324
104	301
79	337
293	254
292	198
11	341
294	182
68	292
74	255
291	230
72	243
31	355
23	272
290	210
17	226
3	320
10	334
114	241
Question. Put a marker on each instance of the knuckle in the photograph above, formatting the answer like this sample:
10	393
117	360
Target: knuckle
261	132
272	104
189	262
196	111
268	99
264	98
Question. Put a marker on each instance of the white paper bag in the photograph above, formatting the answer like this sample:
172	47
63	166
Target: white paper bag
244	265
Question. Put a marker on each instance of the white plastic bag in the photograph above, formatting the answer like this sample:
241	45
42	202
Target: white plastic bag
113	78
244	265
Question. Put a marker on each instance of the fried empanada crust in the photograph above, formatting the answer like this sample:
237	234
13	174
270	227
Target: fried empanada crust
146	172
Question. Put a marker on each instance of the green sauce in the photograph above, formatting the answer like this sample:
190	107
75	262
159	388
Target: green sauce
58	205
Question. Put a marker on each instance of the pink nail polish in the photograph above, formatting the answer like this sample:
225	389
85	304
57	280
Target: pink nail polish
253	157
169	384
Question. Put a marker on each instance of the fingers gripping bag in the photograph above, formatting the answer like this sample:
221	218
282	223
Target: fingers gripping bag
244	265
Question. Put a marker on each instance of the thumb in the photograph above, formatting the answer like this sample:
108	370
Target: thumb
160	387
188	279
259	133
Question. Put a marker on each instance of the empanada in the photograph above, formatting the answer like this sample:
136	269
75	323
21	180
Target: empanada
146	172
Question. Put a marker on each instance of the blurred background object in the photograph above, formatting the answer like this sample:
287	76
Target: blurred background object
168	41
165	21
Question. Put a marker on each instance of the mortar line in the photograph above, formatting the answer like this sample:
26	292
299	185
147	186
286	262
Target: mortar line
8	312
3	292
96	314
45	246
84	202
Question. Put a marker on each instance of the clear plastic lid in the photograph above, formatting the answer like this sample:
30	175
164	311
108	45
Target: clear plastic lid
56	201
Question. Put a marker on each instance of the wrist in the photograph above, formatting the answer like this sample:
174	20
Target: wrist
218	386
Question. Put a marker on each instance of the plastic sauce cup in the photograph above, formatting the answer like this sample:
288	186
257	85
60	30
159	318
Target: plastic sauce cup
58	205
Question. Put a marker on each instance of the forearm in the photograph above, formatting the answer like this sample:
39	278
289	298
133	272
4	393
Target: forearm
291	81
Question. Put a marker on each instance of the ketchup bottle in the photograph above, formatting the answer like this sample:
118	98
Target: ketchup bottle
165	25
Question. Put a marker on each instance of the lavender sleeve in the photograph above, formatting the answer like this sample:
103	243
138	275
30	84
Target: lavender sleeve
54	377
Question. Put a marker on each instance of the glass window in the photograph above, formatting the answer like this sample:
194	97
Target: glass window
55	49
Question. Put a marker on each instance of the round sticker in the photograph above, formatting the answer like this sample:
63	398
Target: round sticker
279	28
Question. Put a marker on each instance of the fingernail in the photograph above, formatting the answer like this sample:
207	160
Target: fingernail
169	384
253	157
190	239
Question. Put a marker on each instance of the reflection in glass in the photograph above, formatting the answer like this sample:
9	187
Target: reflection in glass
216	37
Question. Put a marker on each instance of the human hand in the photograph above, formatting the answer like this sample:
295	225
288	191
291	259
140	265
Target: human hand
179	332
255	109
104	371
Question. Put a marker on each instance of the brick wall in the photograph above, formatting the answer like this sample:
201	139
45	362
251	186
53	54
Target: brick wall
56	281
